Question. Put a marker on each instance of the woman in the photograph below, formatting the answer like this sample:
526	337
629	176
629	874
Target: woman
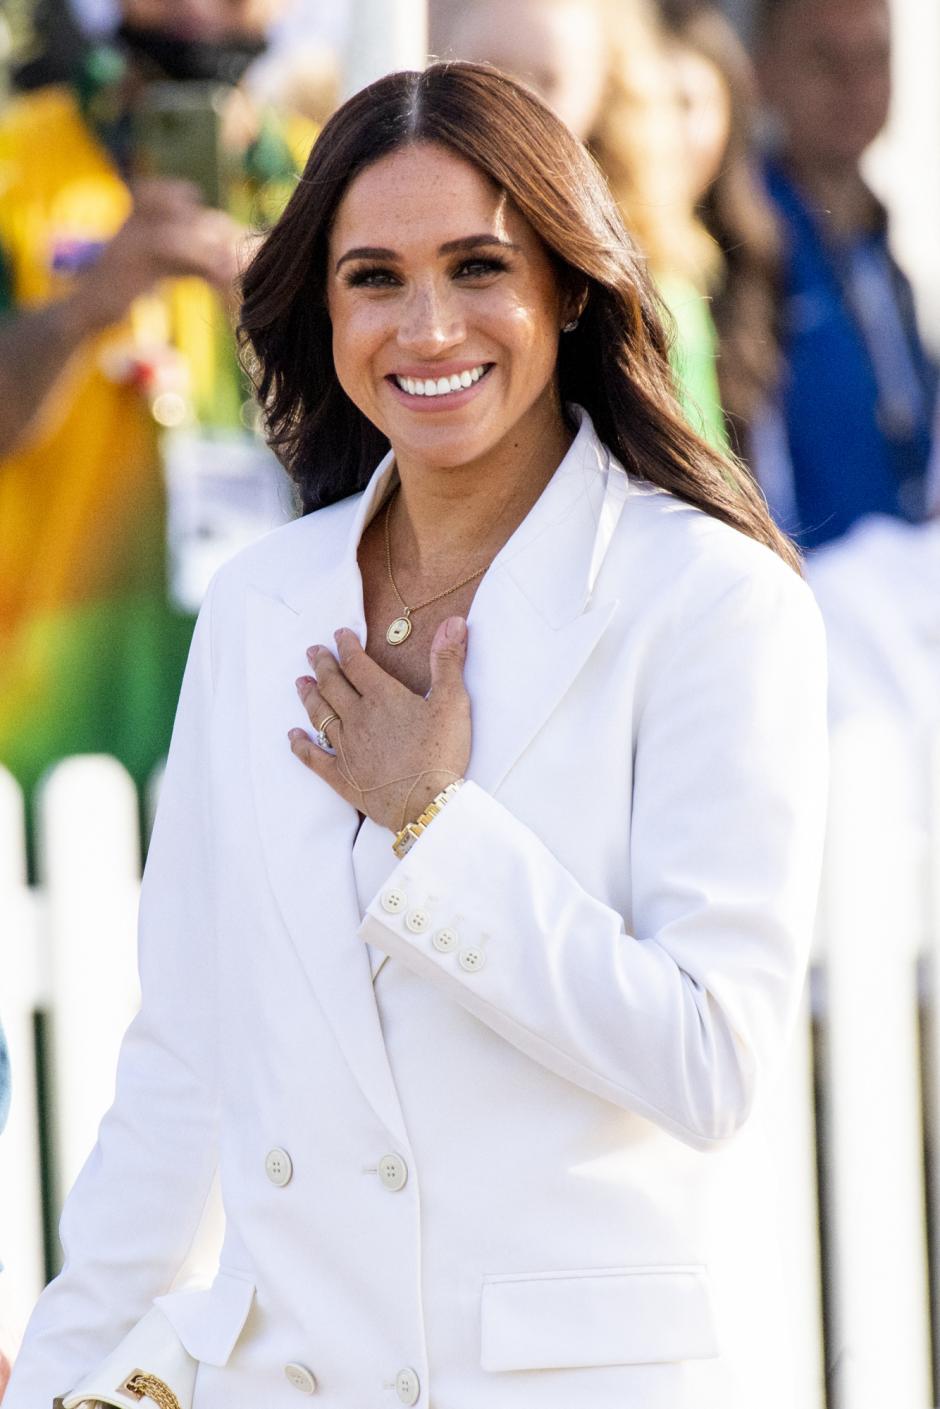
461	1097
719	97
606	69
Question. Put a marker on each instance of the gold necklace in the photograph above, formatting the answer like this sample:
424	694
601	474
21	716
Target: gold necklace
400	628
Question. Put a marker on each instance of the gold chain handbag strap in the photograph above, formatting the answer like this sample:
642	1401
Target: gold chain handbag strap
150	1387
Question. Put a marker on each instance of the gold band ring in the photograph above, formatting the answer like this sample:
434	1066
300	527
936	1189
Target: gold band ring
320	737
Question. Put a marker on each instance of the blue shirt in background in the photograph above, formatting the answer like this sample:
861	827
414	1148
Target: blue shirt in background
859	389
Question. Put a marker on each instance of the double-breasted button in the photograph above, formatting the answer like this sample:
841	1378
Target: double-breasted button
471	959
278	1167
417	920
394	900
445	941
393	1172
301	1378
408	1386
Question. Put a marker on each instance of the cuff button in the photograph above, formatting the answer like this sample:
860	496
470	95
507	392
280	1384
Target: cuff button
417	921
445	941
394	901
471	959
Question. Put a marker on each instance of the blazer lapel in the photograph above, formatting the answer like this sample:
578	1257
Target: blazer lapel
307	831
533	624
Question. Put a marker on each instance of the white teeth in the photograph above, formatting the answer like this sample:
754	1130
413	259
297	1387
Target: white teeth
428	386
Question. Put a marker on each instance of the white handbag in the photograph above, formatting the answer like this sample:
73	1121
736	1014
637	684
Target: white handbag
149	1364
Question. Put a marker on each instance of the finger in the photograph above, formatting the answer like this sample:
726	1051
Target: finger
365	674
331	680
317	707
158	195
448	656
325	765
210	251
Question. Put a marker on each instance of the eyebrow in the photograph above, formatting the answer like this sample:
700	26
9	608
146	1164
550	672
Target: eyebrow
462	246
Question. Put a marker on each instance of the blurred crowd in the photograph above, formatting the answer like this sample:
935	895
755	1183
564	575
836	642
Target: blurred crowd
145	143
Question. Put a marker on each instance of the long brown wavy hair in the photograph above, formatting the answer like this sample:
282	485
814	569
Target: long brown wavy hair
615	364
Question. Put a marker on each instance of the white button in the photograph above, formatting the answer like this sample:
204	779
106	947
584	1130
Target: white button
393	1172
278	1167
445	941
301	1378
394	901
407	1386
417	921
471	959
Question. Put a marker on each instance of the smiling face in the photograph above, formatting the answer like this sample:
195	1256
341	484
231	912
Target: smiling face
445	308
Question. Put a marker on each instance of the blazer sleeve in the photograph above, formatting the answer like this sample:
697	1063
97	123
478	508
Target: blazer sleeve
133	1212
679	1019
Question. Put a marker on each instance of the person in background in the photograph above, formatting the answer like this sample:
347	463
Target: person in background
859	387
116	355
719	93
606	70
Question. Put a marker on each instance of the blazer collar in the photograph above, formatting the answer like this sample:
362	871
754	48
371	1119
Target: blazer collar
578	510
532	627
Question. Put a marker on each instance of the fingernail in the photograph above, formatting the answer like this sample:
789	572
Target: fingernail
302	684
455	629
294	734
312	653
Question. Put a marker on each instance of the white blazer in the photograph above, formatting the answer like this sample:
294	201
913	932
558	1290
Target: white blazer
484	1179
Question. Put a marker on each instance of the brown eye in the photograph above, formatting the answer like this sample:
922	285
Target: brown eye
478	268
371	278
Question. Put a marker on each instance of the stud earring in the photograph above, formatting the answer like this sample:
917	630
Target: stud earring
570	326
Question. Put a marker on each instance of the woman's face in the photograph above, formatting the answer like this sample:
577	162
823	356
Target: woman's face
705	110
434	281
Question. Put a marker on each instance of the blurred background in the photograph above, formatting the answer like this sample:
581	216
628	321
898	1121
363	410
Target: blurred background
778	162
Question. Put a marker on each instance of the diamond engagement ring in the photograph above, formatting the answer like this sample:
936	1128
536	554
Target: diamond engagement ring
320	735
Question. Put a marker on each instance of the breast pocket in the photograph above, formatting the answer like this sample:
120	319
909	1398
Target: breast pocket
209	1322
609	1316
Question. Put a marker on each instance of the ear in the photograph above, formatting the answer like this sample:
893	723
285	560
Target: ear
574	304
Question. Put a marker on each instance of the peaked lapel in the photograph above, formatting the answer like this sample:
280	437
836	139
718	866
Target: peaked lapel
307	831
532	628
532	624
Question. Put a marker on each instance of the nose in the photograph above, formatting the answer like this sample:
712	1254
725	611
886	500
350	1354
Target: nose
431	323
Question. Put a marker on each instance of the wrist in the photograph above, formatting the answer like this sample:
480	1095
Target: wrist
411	831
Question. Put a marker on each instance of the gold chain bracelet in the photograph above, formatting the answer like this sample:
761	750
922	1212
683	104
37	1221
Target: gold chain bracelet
149	1387
410	833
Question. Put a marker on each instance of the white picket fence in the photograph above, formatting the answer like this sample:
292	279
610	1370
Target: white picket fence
851	1263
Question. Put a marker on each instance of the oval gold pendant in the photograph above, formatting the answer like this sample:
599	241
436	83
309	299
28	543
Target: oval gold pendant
399	631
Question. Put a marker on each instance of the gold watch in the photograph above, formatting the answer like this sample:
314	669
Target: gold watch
410	833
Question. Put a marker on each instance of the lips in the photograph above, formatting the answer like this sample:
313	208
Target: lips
441	386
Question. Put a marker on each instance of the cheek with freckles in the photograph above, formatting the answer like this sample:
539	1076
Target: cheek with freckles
358	340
